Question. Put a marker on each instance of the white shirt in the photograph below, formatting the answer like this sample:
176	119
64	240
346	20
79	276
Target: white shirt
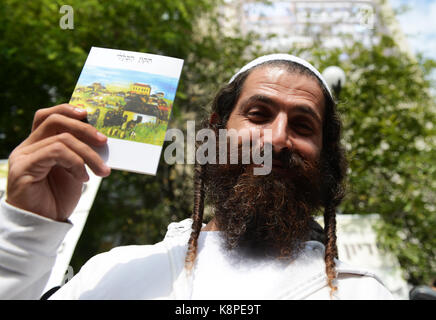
27	253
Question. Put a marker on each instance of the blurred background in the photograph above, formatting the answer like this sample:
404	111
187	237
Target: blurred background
385	52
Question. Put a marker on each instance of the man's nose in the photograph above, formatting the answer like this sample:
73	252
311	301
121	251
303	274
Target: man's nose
280	133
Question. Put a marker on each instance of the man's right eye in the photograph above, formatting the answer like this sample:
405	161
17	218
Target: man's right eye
257	115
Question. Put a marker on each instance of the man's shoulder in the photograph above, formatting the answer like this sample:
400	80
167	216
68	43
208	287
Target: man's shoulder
132	272
315	249
175	238
344	269
353	282
360	283
179	230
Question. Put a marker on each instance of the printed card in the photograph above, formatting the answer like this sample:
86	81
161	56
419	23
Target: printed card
129	97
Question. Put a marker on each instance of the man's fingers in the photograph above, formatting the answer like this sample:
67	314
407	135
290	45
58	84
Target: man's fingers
63	109
90	157
40	162
56	123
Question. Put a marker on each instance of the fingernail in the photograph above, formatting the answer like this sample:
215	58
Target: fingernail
78	110
106	169
101	136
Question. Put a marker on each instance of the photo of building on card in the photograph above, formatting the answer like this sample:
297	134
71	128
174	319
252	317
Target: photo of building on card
126	104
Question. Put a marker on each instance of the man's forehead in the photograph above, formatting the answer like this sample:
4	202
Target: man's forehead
289	86
289	59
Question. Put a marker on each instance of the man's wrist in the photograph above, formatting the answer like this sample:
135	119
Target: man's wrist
25	216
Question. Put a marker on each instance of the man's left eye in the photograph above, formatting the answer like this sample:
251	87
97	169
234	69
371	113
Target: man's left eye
304	128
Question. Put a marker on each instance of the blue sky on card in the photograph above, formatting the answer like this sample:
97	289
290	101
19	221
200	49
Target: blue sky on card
121	77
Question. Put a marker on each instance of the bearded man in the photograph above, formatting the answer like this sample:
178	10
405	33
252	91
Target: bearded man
262	242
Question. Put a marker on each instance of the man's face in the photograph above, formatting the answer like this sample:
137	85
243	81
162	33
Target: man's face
272	212
289	104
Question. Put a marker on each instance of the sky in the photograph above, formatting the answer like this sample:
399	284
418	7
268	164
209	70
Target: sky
419	25
105	76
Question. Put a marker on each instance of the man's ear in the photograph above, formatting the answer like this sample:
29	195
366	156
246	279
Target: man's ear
214	119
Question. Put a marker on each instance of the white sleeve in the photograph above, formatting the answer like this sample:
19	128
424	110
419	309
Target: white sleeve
28	246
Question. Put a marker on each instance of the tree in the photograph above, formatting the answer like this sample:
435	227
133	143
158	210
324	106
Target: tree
389	133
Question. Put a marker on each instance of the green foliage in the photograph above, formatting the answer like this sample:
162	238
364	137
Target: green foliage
389	133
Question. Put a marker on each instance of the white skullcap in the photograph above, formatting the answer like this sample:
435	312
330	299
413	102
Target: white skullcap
286	57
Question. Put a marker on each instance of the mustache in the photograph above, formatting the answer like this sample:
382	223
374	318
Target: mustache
288	159
301	173
295	164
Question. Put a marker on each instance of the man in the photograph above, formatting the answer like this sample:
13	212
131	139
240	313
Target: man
261	243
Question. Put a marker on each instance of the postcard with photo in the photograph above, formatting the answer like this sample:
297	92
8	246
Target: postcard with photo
129	97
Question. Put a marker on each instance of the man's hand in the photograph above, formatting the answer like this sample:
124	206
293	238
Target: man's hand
47	170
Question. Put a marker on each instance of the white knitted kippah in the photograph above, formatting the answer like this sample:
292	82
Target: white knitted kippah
287	57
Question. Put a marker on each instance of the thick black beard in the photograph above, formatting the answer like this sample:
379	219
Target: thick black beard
267	215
